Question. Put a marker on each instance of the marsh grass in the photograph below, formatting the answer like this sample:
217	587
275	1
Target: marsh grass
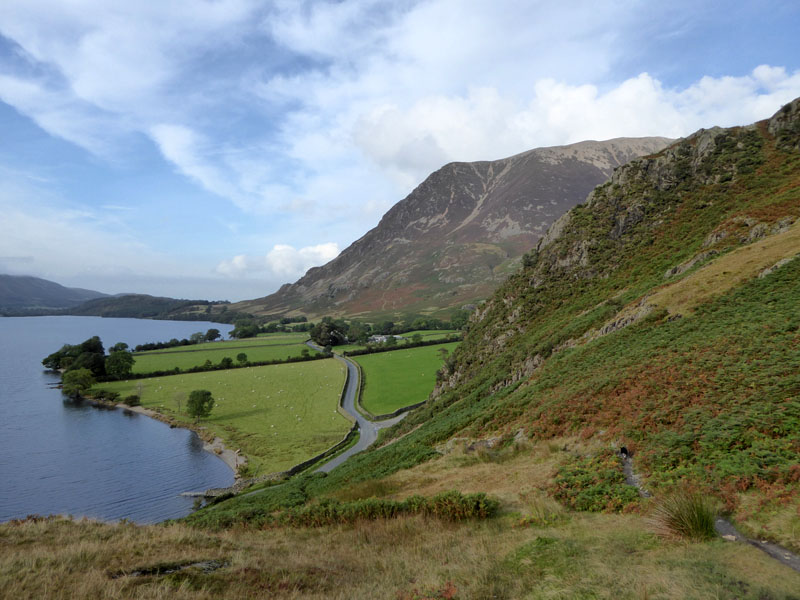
686	515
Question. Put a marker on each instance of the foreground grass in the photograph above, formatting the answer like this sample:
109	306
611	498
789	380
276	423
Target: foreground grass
399	378
535	550
277	415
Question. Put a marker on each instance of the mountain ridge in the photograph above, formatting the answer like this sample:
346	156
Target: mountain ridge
456	235
28	292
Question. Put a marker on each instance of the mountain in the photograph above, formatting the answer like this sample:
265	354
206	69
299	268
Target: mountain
660	315
22	292
457	235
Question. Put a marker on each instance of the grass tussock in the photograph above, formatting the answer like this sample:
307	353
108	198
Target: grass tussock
685	515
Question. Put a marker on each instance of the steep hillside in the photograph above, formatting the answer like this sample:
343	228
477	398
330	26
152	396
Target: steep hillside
661	315
457	235
20	292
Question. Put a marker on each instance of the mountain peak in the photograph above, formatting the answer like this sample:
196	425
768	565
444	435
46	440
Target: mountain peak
457	235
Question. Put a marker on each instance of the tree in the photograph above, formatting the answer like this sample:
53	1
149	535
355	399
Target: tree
119	347
390	342
94	361
200	403
226	362
384	327
241	357
213	333
74	383
119	364
459	318
197	337
416	338
244	328
328	333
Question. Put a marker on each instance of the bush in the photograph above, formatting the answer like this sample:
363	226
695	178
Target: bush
594	483
452	506
687	515
132	400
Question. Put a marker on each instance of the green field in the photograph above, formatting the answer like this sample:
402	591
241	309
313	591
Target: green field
278	415
398	378
266	339
193	356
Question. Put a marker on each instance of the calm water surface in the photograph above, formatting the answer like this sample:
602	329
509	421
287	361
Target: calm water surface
63	457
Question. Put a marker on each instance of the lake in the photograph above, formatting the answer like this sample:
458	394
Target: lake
59	456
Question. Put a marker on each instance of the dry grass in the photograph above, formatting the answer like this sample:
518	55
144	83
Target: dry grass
727	272
603	556
513	475
549	553
777	520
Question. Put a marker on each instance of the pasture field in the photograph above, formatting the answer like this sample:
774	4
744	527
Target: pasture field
193	356
278	415
264	339
398	378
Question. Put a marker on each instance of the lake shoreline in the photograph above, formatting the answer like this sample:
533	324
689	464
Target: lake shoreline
211	444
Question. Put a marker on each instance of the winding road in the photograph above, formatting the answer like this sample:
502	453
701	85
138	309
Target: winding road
368	430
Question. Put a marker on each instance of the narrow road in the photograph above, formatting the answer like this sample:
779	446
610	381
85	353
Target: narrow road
368	430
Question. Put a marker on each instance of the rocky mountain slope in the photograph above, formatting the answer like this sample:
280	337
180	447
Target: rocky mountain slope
457	235
661	315
21	292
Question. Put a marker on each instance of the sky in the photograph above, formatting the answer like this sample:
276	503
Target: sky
217	149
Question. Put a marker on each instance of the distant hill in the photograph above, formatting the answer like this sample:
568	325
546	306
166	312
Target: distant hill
32	296
22	292
457	236
144	306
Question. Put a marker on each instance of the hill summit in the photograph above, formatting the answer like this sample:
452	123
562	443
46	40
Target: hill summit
457	235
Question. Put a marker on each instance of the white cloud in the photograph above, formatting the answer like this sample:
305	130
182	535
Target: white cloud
283	262
319	115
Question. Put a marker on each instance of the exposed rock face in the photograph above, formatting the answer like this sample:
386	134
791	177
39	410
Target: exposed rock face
457	235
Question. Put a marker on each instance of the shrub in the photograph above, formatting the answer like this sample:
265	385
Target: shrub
132	400
452	506
594	483
687	515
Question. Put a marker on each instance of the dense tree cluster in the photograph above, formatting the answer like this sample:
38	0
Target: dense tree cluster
196	338
87	355
332	332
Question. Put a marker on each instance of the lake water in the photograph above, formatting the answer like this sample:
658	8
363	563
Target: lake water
63	457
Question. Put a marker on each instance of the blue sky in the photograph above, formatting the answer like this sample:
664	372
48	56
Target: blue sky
219	149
